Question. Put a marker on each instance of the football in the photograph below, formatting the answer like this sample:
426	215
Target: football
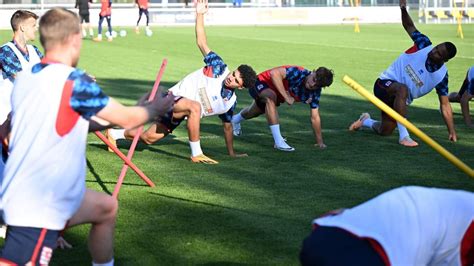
148	33
123	33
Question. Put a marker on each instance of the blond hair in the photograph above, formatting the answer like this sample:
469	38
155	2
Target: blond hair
56	26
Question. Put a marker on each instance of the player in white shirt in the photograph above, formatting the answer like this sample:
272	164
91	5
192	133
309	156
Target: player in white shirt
16	56
404	226
207	91
415	73
43	188
465	94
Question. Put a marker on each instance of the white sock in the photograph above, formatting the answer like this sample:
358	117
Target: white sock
84	33
117	133
368	122
195	148
237	118
99	36
402	131
91	32
276	134
110	263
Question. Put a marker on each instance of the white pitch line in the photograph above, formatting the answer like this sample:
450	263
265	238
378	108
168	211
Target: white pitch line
346	47
338	131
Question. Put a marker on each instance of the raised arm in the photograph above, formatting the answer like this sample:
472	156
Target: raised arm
278	75
201	40
407	22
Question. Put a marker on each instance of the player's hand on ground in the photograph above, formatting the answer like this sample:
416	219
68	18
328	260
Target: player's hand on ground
62	243
322	146
202	7
290	100
453	137
238	155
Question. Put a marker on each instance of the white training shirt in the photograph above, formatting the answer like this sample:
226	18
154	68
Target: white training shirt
6	85
414	225
410	69
44	178
205	90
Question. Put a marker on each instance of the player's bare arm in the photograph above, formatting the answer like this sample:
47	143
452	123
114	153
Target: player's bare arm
407	22
278	75
447	113
229	141
201	40
464	101
316	124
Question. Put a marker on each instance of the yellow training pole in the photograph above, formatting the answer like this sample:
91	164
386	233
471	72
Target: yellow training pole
453	159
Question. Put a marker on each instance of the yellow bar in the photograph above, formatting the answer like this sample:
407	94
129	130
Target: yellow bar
453	159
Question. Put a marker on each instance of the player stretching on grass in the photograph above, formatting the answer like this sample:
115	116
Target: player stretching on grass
43	187
404	226
415	73
465	94
286	84
205	92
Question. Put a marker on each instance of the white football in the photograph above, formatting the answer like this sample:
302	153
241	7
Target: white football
148	33
123	33
114	34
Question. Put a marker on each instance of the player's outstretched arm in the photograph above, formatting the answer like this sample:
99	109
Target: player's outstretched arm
201	40
278	75
407	22
316	124
133	116
464	101
447	113
229	141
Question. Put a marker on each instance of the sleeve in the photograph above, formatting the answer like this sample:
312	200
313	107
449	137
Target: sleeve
38	52
421	40
293	75
87	97
315	101
9	63
442	87
227	117
214	64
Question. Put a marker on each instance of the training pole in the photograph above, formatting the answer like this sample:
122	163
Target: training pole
392	113
139	132
125	159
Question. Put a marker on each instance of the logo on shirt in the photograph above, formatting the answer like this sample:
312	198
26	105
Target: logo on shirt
413	76
206	104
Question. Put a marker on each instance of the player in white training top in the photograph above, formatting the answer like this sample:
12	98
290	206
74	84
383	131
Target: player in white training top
415	73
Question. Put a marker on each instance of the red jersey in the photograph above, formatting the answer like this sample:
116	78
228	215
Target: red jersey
105	8
142	4
265	77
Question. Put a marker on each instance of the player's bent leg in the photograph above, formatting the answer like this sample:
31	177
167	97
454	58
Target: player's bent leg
387	125
28	246
191	109
154	134
100	210
356	125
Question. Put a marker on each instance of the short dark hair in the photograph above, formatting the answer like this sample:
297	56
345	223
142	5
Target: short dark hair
451	49
324	76
248	75
19	16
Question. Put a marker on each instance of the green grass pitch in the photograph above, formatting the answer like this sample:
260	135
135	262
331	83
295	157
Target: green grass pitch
257	210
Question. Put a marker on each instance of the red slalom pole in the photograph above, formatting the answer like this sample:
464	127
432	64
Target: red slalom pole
125	159
139	131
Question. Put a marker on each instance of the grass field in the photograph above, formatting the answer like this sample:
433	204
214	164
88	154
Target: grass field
257	210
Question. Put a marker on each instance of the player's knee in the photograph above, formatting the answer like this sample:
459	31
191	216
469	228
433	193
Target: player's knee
195	108
109	208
